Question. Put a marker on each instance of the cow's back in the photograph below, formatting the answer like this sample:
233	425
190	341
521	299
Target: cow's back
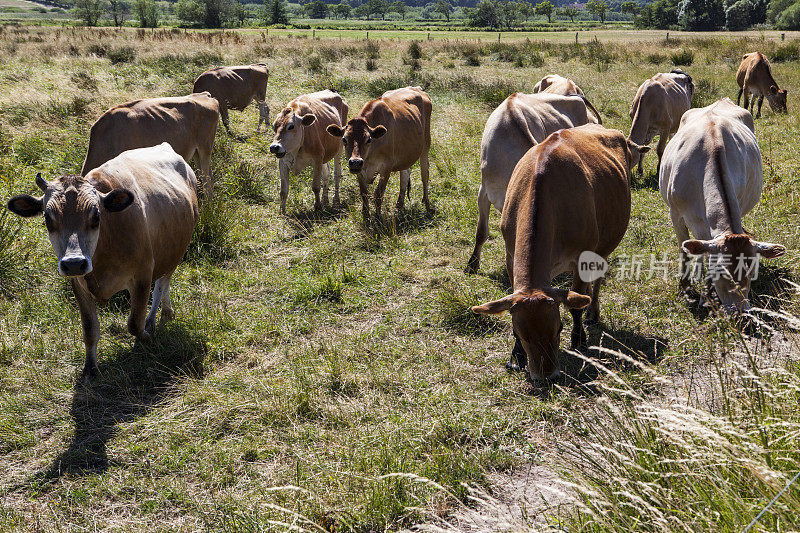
520	122
756	71
234	86
659	104
406	113
157	229
180	121
329	108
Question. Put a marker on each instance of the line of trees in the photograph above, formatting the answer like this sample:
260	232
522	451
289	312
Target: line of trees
704	15
91	11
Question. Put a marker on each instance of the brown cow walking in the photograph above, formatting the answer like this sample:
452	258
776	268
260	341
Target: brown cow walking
568	195
389	135
124	225
755	78
235	87
187	123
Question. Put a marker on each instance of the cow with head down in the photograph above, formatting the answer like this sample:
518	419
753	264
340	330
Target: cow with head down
389	134
235	87
125	225
755	78
301	140
711	176
555	84
568	195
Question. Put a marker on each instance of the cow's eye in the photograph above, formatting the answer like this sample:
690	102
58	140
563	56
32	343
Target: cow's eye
290	127
368	141
274	128
344	141
94	221
48	222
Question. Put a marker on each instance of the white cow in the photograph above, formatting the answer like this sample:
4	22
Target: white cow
519	123
710	178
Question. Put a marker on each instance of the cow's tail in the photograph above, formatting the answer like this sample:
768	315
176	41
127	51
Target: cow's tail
638	132
592	109
720	168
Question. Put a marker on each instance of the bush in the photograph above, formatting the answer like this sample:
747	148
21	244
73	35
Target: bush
655	59
682	58
123	54
415	50
787	52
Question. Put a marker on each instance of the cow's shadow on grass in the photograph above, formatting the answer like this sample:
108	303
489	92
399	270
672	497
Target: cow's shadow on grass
394	222
605	344
646	180
132	381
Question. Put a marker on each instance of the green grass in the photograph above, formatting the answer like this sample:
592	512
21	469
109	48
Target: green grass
312	357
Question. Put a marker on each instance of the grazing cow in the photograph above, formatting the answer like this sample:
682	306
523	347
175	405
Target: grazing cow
389	134
657	109
710	178
568	195
187	123
555	84
755	77
235	88
301	140
124	225
521	121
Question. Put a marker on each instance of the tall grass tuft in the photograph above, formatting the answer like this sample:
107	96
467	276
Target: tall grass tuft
215	238
707	459
14	255
682	58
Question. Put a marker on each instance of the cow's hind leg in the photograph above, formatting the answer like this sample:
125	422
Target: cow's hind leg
739	97
578	338
263	115
160	298
223	114
593	311
204	158
662	144
315	184
482	233
682	232
405	184
91	329
140	296
326	178
760	103
424	167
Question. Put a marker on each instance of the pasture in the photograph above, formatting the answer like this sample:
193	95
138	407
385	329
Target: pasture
329	375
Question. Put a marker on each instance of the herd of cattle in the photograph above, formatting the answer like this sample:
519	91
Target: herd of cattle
559	177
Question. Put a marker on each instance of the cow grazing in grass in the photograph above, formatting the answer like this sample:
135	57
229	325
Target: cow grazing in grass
301	139
711	177
235	87
389	134
657	109
124	225
187	123
521	121
568	195
755	78
555	84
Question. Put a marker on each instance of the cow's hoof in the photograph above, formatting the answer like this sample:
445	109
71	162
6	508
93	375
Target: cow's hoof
167	315
512	366
144	336
150	326
89	374
590	321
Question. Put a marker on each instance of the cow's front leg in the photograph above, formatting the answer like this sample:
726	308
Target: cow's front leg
405	184
283	170
315	185
91	329
578	338
337	176
263	115
380	189
760	103
364	189
519	358
326	178
140	296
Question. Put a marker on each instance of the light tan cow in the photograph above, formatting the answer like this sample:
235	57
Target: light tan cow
521	121
568	195
657	109
235	87
301	140
711	176
389	134
187	123
755	78
555	84
124	225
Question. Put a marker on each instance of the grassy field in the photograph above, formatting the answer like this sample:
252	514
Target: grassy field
313	360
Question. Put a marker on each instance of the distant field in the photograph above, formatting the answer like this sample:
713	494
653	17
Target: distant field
326	374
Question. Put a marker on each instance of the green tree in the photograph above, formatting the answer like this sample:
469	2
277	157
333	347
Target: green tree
629	6
148	13
118	9
568	11
443	8
89	11
737	15
525	9
789	18
701	15
317	9
378	7
400	8
776	7
545	8
598	8
484	14
342	10
275	12
509	15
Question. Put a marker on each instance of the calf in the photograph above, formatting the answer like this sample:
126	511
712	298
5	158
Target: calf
301	140
657	109
755	77
521	121
187	123
124	225
555	84
568	195
389	134
710	178
235	87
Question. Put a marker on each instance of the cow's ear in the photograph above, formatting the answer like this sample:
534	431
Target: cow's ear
768	250
308	119
378	131
335	130
117	200
497	306
570	299
773	90
696	246
26	205
41	182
